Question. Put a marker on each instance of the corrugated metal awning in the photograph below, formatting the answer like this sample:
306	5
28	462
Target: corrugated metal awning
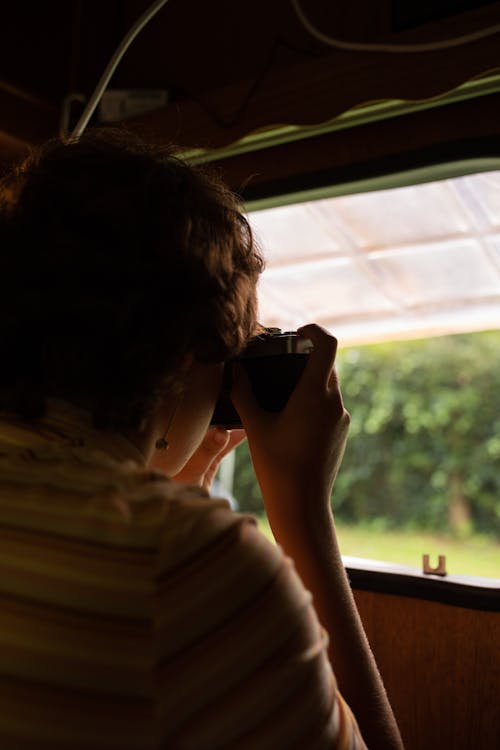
407	262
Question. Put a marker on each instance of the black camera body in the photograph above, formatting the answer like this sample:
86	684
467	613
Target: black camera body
274	362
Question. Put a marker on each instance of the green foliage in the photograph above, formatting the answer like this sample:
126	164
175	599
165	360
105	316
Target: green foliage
246	490
479	557
424	445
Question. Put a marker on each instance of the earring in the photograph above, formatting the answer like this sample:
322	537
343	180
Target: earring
162	442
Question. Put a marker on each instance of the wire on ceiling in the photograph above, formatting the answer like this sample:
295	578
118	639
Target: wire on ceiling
393	48
113	64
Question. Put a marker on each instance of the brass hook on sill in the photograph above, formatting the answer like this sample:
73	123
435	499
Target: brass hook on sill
439	570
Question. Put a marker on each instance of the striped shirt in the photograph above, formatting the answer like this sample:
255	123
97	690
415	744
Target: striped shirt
139	614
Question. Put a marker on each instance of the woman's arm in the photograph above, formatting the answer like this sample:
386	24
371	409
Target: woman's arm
296	456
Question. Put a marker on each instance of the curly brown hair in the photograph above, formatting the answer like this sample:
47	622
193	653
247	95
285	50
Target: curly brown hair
118	258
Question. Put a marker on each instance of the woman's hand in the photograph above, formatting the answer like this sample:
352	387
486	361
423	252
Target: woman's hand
201	468
297	452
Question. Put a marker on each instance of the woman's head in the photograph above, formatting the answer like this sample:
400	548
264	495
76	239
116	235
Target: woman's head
118	260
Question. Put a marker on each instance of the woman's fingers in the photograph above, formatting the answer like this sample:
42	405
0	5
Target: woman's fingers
235	438
203	464
322	357
213	444
320	370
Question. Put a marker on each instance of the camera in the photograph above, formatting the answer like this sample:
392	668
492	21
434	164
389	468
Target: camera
274	361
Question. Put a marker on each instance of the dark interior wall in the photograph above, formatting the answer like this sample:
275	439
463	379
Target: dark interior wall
441	668
227	72
35	48
409	13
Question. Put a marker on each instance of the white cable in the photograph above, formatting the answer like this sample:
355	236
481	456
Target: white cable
361	47
112	65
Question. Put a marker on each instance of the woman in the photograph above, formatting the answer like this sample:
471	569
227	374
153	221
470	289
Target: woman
136	611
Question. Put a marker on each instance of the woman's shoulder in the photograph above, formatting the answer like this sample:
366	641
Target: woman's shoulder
89	494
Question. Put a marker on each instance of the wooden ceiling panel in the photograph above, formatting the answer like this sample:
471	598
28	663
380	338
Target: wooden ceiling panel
228	73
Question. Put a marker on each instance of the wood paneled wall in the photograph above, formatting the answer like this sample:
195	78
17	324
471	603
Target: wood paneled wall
441	668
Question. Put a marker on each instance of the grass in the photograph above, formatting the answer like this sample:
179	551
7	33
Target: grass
477	555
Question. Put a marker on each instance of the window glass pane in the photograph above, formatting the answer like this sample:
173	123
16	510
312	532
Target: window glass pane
409	281
421	470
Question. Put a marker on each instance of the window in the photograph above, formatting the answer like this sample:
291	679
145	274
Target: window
408	279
